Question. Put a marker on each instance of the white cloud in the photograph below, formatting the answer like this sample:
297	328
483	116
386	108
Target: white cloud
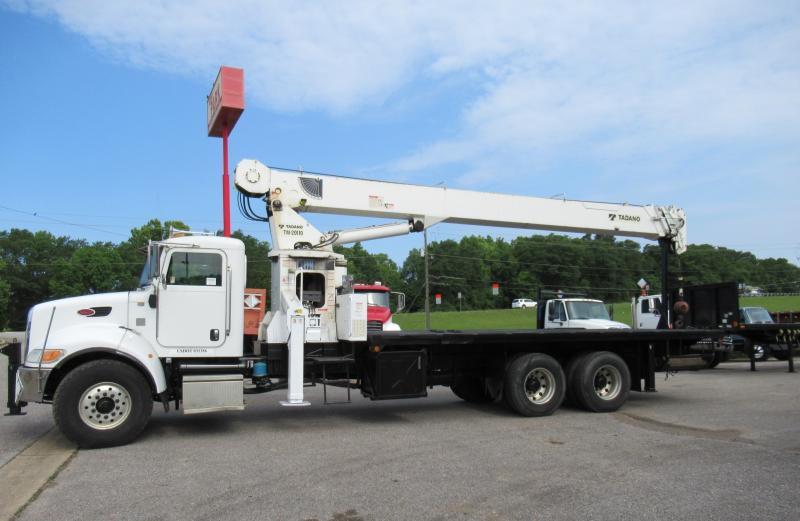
645	85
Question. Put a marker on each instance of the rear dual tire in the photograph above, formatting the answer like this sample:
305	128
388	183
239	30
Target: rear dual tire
471	389
598	381
534	385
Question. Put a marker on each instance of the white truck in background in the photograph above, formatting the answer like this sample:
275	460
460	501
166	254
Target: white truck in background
578	313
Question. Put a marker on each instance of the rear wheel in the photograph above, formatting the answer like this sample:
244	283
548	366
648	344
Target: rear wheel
534	385
103	403
471	389
782	354
569	373
714	359
601	382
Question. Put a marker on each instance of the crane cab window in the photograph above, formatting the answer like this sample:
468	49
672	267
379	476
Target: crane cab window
310	287
195	269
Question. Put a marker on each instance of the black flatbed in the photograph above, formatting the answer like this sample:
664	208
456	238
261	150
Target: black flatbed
492	336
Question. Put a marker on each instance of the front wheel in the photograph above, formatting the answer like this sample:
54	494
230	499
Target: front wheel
534	385
103	403
760	353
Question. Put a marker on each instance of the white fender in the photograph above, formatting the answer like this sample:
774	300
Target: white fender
111	338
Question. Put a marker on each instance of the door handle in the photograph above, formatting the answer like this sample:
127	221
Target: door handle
214	335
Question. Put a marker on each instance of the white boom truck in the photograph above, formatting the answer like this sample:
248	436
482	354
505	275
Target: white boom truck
102	360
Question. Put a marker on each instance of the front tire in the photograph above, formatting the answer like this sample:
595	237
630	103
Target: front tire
601	382
103	403
534	385
760	353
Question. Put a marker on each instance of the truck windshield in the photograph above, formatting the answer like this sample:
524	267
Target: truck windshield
150	266
376	298
586	310
757	316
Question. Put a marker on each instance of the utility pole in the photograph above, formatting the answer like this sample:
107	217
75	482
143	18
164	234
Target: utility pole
427	284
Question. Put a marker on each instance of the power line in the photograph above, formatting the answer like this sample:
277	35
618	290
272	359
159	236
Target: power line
59	221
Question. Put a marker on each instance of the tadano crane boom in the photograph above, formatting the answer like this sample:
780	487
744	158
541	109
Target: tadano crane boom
288	192
297	300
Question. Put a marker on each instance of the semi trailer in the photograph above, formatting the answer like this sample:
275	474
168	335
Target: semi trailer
103	360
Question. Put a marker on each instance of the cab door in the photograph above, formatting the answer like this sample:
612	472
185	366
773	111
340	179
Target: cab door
648	313
193	299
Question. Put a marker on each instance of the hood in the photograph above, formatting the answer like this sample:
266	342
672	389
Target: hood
378	313
597	323
102	307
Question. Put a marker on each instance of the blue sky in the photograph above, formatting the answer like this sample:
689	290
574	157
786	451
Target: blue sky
694	104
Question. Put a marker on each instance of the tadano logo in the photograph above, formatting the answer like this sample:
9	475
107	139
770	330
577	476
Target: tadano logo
624	217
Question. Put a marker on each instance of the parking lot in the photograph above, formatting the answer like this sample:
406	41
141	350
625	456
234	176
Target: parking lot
719	444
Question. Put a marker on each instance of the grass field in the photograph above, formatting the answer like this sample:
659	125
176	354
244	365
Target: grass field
526	318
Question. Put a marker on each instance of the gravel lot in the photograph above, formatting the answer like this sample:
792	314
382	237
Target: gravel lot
721	444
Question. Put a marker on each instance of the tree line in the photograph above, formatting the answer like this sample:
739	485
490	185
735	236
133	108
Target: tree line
39	266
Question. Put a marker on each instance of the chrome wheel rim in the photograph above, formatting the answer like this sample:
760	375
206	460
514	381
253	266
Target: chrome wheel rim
607	382
540	385
104	406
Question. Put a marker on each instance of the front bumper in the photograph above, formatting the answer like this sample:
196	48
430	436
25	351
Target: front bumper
31	382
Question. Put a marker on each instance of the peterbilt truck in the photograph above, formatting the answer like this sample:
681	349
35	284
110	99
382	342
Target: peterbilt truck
103	360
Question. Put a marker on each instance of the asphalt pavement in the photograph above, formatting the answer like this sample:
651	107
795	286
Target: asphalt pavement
718	444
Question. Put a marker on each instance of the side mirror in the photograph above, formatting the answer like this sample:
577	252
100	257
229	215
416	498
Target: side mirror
401	301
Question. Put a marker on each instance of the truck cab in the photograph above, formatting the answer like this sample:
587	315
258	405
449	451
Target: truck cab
379	312
578	313
646	311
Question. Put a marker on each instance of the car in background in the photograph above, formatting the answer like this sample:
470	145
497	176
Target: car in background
761	351
523	303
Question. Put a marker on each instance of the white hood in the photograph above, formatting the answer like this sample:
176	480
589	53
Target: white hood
597	323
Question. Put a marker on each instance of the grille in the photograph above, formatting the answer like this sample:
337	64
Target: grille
374	325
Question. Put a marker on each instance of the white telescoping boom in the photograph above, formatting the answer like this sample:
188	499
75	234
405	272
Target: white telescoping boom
307	276
289	192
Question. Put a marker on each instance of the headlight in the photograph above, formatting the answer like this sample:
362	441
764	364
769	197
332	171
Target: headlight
34	357
48	357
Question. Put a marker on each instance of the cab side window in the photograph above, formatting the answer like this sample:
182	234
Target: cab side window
561	312
195	269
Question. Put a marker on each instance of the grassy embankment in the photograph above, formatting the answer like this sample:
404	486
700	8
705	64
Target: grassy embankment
526	318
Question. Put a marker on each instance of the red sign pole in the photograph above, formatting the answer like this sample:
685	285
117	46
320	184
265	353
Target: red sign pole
226	185
224	105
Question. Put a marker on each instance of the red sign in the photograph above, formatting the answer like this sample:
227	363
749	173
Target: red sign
226	102
438	298
495	288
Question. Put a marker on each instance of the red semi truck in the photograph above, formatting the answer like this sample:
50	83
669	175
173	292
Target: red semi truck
379	312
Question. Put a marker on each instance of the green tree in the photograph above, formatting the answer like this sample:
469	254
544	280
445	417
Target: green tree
134	250
5	299
258	262
30	259
92	269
